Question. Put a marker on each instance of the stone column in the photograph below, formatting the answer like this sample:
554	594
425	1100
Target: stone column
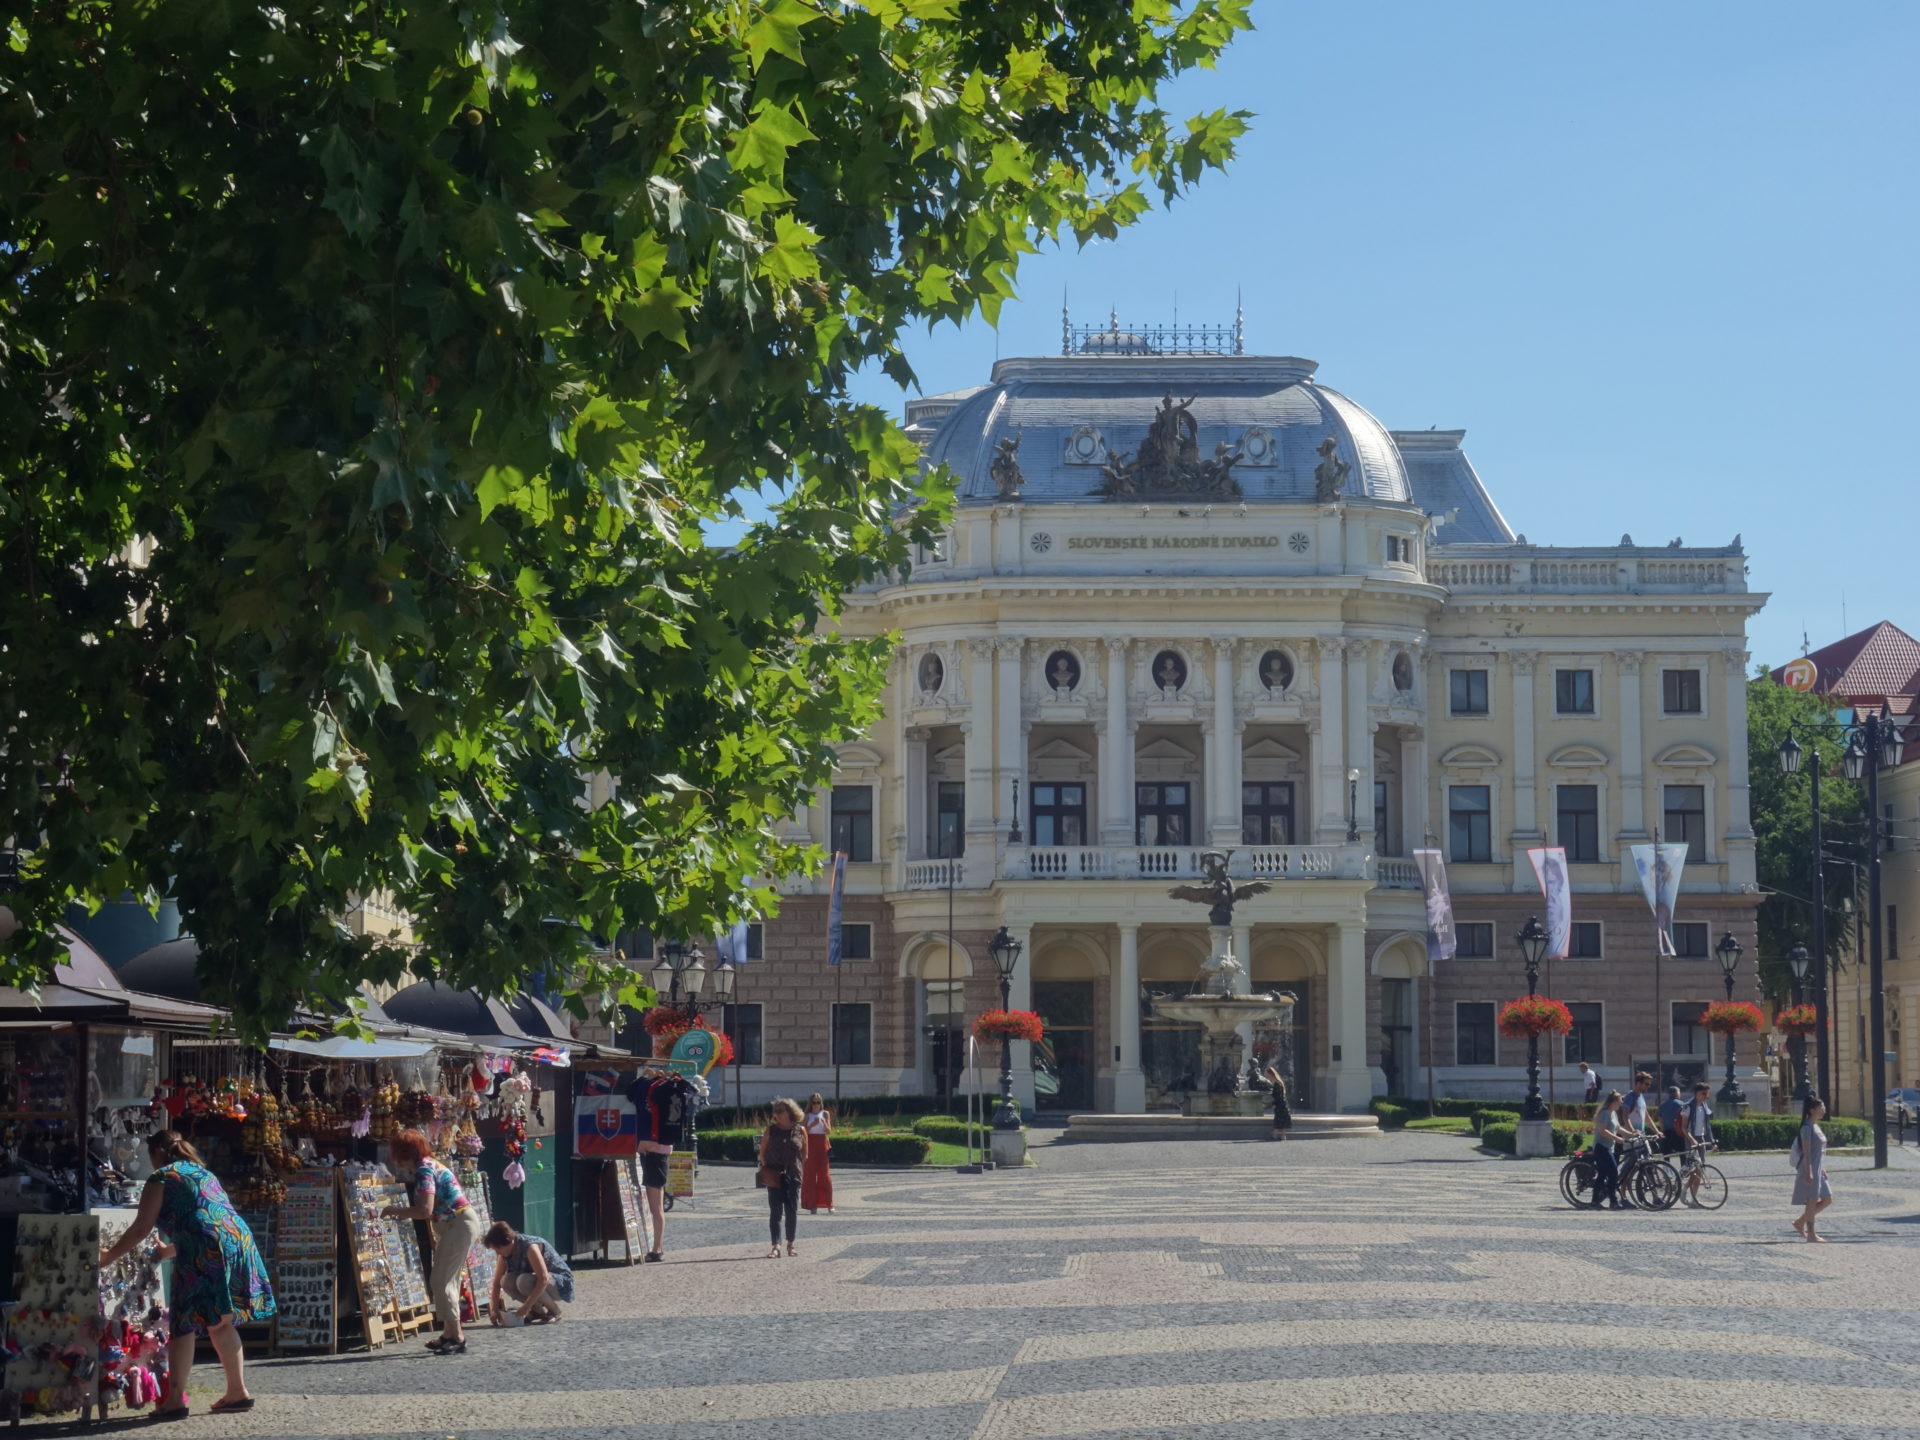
1360	728
978	728
1739	822
1330	758
1129	1082
1633	802
1413	789
1021	998
1352	1081
1223	771
1526	820
915	809
1116	754
1011	734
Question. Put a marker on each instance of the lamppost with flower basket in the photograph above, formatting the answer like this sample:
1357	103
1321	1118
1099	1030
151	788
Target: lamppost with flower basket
1528	1018
1729	1018
1532	940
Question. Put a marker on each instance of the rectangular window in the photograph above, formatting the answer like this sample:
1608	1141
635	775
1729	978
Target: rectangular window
756	941
853	1034
1573	692
1399	550
635	944
1470	823
1161	814
1266	813
856	940
1584	1040
1585	941
1690	940
1680	692
1579	823
1467	692
1473	940
1685	820
852	821
950	820
1059	814
1689	1037
1473	1033
741	1024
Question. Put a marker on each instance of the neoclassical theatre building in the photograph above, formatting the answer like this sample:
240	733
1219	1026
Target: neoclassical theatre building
1198	599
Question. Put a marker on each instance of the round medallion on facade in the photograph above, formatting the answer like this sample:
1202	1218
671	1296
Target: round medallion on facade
1402	673
1298	542
933	674
1169	671
1040	542
1276	670
1063	671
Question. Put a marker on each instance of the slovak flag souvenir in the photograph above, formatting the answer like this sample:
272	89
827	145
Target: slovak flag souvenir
605	1121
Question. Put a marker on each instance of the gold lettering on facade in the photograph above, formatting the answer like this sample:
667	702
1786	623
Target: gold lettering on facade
1172	542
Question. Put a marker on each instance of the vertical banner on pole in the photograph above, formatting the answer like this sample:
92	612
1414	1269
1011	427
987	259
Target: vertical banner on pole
1550	869
835	890
1441	942
1659	867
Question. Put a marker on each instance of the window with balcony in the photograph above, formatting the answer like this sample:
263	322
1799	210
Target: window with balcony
1685	819
1470	823
1473	1033
852	821
950	819
1584	1041
1573	692
1059	814
1384	841
1578	828
1266	813
1680	692
1467	692
1162	814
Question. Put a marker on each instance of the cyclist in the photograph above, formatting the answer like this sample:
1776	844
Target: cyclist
1633	1121
1699	1139
1607	1133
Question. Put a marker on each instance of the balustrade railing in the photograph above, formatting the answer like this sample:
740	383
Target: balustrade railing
1395	874
1483	574
936	874
1061	862
1179	862
1288	862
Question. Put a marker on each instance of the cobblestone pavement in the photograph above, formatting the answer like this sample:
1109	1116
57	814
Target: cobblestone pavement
1403	1287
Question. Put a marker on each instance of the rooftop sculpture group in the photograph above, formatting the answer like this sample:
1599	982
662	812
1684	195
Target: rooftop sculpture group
1168	465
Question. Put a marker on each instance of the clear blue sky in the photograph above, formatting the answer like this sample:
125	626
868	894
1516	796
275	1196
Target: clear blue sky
1658	261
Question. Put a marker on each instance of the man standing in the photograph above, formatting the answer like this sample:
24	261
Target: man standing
1699	1132
659	1103
1673	1130
1633	1110
1590	1077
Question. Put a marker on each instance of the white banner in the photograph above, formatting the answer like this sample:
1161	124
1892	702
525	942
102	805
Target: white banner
1433	880
1550	868
1659	868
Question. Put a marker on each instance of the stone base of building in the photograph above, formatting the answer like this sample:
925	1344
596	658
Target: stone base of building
1009	1148
1109	1128
1535	1140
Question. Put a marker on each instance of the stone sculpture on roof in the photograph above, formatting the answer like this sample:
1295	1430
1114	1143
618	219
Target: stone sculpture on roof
1168	465
1330	475
1005	468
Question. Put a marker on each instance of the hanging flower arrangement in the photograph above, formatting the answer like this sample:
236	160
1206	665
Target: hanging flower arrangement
1533	1015
1008	1025
1798	1020
663	1020
1732	1017
666	1032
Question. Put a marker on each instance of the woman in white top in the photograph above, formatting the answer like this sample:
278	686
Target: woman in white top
816	1179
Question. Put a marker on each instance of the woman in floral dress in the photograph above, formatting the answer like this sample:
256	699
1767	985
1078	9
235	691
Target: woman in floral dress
218	1279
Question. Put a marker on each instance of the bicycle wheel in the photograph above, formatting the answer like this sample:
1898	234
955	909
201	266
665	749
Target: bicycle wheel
1577	1179
1656	1186
1713	1188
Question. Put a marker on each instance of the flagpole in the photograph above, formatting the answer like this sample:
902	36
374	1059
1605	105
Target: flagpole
1659	1040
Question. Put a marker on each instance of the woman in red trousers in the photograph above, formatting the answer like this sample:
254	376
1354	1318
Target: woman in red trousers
816	1179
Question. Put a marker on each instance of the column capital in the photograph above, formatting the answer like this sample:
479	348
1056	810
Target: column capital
1009	646
1629	661
1127	927
1523	661
1223	645
919	734
1332	646
1736	657
981	647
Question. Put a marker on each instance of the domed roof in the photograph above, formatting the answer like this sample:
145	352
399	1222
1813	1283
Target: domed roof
1073	416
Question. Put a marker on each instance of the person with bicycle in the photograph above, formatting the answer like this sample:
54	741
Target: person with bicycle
1698	1122
1673	1130
1632	1125
1608	1132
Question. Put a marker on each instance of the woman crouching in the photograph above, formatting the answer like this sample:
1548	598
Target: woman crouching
527	1269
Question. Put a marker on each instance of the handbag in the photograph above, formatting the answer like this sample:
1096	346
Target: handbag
769	1177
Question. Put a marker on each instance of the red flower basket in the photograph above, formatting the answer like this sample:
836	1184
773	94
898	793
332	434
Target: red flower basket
1798	1020
1008	1025
1533	1015
675	1024
1733	1017
665	1019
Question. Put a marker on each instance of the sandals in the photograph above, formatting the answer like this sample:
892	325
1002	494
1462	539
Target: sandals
228	1407
774	1253
178	1412
448	1347
792	1253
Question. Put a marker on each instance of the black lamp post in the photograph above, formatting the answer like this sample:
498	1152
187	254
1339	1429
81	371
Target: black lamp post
683	967
1533	944
1797	961
1791	755
1876	742
1353	807
1005	951
1727	952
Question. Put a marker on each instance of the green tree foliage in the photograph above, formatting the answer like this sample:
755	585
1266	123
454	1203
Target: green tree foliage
1783	824
421	341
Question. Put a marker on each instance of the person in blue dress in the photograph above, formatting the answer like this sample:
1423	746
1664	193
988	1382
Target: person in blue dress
218	1280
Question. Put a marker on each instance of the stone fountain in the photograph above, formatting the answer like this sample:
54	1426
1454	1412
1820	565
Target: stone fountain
1221	1004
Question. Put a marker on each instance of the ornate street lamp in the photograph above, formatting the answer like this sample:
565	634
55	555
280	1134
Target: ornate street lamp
684	968
1798	960
1005	951
1727	952
1353	807
1533	945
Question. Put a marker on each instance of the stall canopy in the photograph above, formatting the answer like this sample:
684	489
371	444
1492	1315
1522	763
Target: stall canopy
85	987
436	1005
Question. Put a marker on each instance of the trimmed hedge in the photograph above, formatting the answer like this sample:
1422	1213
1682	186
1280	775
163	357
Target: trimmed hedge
1777	1132
886	1107
945	1130
1390	1115
853	1147
1493	1115
1568	1136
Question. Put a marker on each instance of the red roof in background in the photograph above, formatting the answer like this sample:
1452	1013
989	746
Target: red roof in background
1878	667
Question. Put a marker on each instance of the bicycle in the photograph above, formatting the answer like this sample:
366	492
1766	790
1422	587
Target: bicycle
1646	1178
1712	1193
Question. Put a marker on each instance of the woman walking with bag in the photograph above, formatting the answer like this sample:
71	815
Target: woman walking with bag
816	1180
783	1157
1809	1156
